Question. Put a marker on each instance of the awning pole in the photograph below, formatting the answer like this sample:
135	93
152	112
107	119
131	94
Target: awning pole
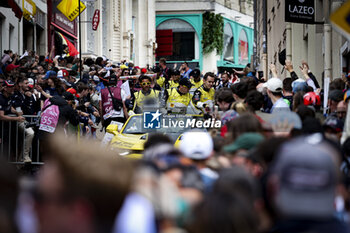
80	65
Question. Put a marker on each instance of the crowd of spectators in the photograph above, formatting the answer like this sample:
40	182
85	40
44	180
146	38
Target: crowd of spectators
279	163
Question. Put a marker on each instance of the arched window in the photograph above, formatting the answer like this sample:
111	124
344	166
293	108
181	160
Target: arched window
243	48
177	41
228	43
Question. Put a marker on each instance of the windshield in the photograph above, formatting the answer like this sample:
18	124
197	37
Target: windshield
134	126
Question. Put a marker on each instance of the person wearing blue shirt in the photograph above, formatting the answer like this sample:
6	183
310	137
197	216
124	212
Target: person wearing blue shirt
186	70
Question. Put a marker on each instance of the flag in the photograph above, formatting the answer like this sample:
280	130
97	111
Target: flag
70	8
244	50
72	50
125	86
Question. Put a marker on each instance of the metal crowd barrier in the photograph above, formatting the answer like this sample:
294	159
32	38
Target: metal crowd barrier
12	142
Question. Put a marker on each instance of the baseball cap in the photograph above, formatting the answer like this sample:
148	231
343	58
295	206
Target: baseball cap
96	78
299	85
30	82
245	141
311	98
68	96
10	67
307	178
250	74
196	145
143	70
72	91
49	74
185	82
66	82
195	73
284	115
9	83
124	66
334	124
62	73
274	85
175	72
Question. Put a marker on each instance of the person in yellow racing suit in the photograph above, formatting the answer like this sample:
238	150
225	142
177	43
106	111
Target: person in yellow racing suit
145	96
174	78
177	99
195	77
203	97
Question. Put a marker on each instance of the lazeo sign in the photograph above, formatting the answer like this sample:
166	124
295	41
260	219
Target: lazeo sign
300	11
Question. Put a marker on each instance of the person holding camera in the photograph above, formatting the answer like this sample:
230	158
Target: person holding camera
112	103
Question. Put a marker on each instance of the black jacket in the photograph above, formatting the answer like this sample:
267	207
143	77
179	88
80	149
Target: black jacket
67	113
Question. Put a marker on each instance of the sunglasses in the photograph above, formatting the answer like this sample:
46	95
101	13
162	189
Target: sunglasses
145	83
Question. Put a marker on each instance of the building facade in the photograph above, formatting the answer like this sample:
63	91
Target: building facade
23	26
323	48
182	20
126	31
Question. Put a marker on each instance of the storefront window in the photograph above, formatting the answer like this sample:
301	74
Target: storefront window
176	40
243	48
228	43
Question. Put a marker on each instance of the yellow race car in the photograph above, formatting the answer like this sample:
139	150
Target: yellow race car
129	140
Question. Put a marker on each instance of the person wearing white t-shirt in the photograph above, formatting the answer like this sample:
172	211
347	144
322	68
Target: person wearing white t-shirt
274	91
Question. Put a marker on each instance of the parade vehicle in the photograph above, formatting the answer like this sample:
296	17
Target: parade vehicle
128	139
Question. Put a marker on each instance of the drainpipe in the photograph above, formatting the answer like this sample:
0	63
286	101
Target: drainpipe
289	41
264	44
254	63
327	31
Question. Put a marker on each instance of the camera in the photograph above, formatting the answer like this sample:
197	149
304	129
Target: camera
33	124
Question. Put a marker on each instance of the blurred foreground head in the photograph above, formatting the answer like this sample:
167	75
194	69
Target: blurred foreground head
303	179
229	208
81	187
8	196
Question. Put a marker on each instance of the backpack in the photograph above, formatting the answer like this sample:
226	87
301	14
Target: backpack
117	104
49	117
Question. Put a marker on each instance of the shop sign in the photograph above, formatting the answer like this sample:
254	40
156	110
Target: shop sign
96	20
70	8
68	25
29	9
300	11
